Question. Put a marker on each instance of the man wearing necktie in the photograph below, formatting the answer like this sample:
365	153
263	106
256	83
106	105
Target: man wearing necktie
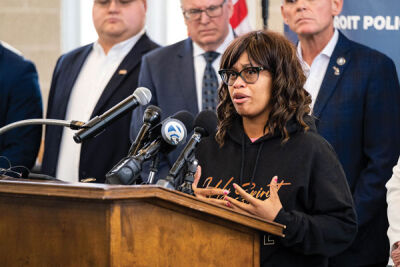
183	76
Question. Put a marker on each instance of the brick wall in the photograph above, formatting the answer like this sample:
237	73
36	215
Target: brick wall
33	27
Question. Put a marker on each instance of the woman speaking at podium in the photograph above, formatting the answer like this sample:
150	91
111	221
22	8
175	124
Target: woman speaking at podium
267	159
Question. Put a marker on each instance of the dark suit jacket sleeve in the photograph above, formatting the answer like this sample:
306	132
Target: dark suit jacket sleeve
381	142
52	86
21	145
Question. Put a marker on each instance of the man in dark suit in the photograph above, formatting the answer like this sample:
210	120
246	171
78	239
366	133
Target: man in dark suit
90	80
356	102
176	74
20	99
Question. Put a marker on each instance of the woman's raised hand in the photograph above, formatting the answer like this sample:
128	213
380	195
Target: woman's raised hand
206	193
266	209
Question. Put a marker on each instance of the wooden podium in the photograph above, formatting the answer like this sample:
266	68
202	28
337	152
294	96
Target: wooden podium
60	224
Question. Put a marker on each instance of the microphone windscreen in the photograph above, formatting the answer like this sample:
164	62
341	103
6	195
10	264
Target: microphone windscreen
153	108
207	120
186	118
152	115
142	95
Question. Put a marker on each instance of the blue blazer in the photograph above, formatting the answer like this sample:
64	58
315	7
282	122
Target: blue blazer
20	99
358	112
101	153
169	73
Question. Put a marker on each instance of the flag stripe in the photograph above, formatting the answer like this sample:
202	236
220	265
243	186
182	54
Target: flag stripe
239	13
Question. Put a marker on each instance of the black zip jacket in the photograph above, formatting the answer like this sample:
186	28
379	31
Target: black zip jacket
318	209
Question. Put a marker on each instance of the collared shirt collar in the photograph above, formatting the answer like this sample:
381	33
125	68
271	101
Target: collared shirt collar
327	51
121	48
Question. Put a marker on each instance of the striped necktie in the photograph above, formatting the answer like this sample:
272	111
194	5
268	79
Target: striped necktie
210	82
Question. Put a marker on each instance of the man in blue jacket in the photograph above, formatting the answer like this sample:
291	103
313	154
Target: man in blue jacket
183	76
356	102
20	99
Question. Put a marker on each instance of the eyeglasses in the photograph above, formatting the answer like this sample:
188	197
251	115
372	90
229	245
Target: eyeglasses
107	2
211	11
249	75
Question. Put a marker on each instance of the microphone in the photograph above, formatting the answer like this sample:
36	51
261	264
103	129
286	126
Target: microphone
151	117
204	125
164	137
141	96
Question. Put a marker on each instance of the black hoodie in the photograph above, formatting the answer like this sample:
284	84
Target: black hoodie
318	209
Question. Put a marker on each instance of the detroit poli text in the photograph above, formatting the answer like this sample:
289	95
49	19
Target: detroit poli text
379	23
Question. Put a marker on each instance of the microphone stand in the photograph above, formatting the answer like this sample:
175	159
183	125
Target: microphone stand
186	187
153	169
167	182
74	125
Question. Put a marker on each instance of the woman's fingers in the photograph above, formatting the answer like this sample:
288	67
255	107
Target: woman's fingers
249	198
212	191
200	195
208	192
273	187
238	204
234	207
197	176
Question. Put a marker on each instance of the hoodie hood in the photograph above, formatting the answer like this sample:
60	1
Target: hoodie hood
236	130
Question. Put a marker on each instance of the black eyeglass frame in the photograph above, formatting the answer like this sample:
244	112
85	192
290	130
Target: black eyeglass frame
197	12
223	73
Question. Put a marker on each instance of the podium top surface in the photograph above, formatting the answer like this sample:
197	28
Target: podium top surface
107	193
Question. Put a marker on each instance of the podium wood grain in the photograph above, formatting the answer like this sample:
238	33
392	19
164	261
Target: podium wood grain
56	224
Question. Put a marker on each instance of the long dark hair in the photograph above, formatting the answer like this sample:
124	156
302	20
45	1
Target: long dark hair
288	97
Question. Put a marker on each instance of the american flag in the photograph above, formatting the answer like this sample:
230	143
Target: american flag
240	19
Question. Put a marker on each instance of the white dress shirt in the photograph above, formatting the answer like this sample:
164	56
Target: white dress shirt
393	200
200	64
95	74
316	72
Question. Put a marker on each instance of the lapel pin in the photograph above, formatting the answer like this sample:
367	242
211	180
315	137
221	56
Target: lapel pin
341	61
122	72
337	71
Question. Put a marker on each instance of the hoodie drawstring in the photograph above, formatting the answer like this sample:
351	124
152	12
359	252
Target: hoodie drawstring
256	164
243	161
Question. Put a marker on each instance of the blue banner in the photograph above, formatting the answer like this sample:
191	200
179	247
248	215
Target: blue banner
375	23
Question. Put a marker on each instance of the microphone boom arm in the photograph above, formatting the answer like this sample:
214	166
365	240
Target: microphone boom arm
74	125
